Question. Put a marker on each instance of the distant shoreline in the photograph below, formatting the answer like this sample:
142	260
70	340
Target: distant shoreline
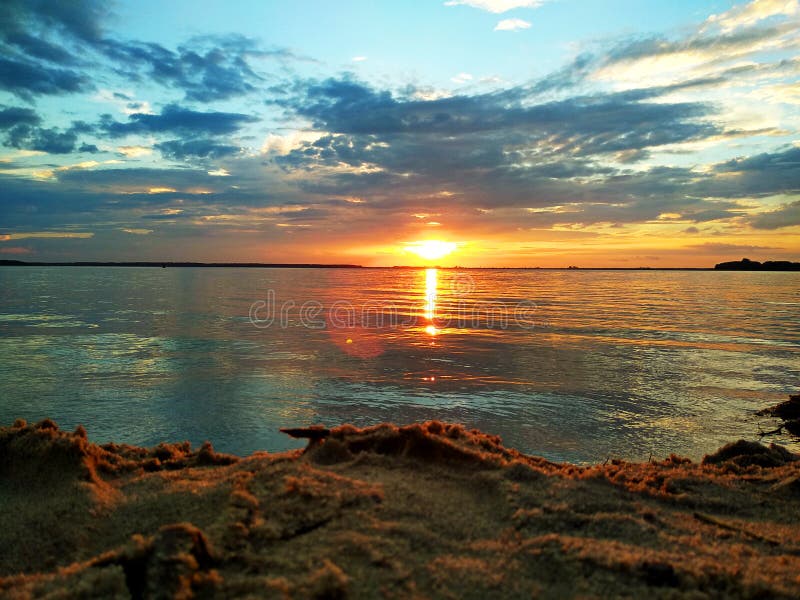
252	265
19	263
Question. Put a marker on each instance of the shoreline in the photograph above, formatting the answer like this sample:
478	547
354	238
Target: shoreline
426	510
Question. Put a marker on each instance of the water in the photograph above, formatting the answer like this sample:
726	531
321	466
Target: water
571	365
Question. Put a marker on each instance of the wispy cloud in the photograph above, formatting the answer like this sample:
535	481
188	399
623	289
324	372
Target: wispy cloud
511	25
462	78
44	235
787	215
496	6
134	151
745	15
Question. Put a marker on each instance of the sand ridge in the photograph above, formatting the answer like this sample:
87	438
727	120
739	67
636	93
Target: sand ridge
429	510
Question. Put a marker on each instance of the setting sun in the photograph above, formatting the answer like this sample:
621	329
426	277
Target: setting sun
432	249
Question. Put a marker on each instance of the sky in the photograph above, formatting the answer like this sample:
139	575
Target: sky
503	132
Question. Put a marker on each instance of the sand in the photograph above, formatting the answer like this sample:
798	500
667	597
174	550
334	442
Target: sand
424	511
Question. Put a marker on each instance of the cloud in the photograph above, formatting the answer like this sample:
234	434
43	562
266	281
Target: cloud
176	119
614	138
198	148
125	103
461	78
81	20
134	151
13	249
584	124
27	79
33	39
745	15
718	56
764	174
283	144
512	25
131	180
45	235
52	141
37	47
502	150
496	6
359	58
42	41
722	248
22	131
207	69
14	115
787	215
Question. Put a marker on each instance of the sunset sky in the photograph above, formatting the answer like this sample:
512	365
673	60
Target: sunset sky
512	132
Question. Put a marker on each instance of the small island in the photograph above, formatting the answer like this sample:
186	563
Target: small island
753	265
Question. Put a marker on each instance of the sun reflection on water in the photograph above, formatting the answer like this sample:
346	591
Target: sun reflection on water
431	280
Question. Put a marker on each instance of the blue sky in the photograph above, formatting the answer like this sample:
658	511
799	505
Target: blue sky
531	133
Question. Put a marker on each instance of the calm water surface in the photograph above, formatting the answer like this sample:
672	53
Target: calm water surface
571	365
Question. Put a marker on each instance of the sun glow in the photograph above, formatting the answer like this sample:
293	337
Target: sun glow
432	249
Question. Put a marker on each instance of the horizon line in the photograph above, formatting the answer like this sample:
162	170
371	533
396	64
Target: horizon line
284	265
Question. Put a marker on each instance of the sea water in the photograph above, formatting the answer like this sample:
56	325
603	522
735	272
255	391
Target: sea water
573	365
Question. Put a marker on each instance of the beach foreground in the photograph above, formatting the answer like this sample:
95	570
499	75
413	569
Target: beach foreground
430	510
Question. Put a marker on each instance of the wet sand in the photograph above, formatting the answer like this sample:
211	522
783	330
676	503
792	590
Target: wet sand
423	511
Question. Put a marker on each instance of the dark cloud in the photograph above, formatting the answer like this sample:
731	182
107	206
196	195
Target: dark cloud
14	115
88	148
500	149
104	179
205	74
200	148
78	19
764	174
176	120
41	139
787	215
39	38
23	131
609	122
788	160
27	79
36	47
34	40
505	150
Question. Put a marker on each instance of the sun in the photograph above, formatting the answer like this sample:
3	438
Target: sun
431	249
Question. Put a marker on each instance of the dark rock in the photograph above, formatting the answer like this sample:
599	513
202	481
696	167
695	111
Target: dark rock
660	575
793	426
785	410
745	454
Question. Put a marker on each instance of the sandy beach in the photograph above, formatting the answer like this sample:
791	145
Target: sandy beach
428	511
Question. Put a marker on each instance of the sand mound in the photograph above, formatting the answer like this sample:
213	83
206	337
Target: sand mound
426	510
